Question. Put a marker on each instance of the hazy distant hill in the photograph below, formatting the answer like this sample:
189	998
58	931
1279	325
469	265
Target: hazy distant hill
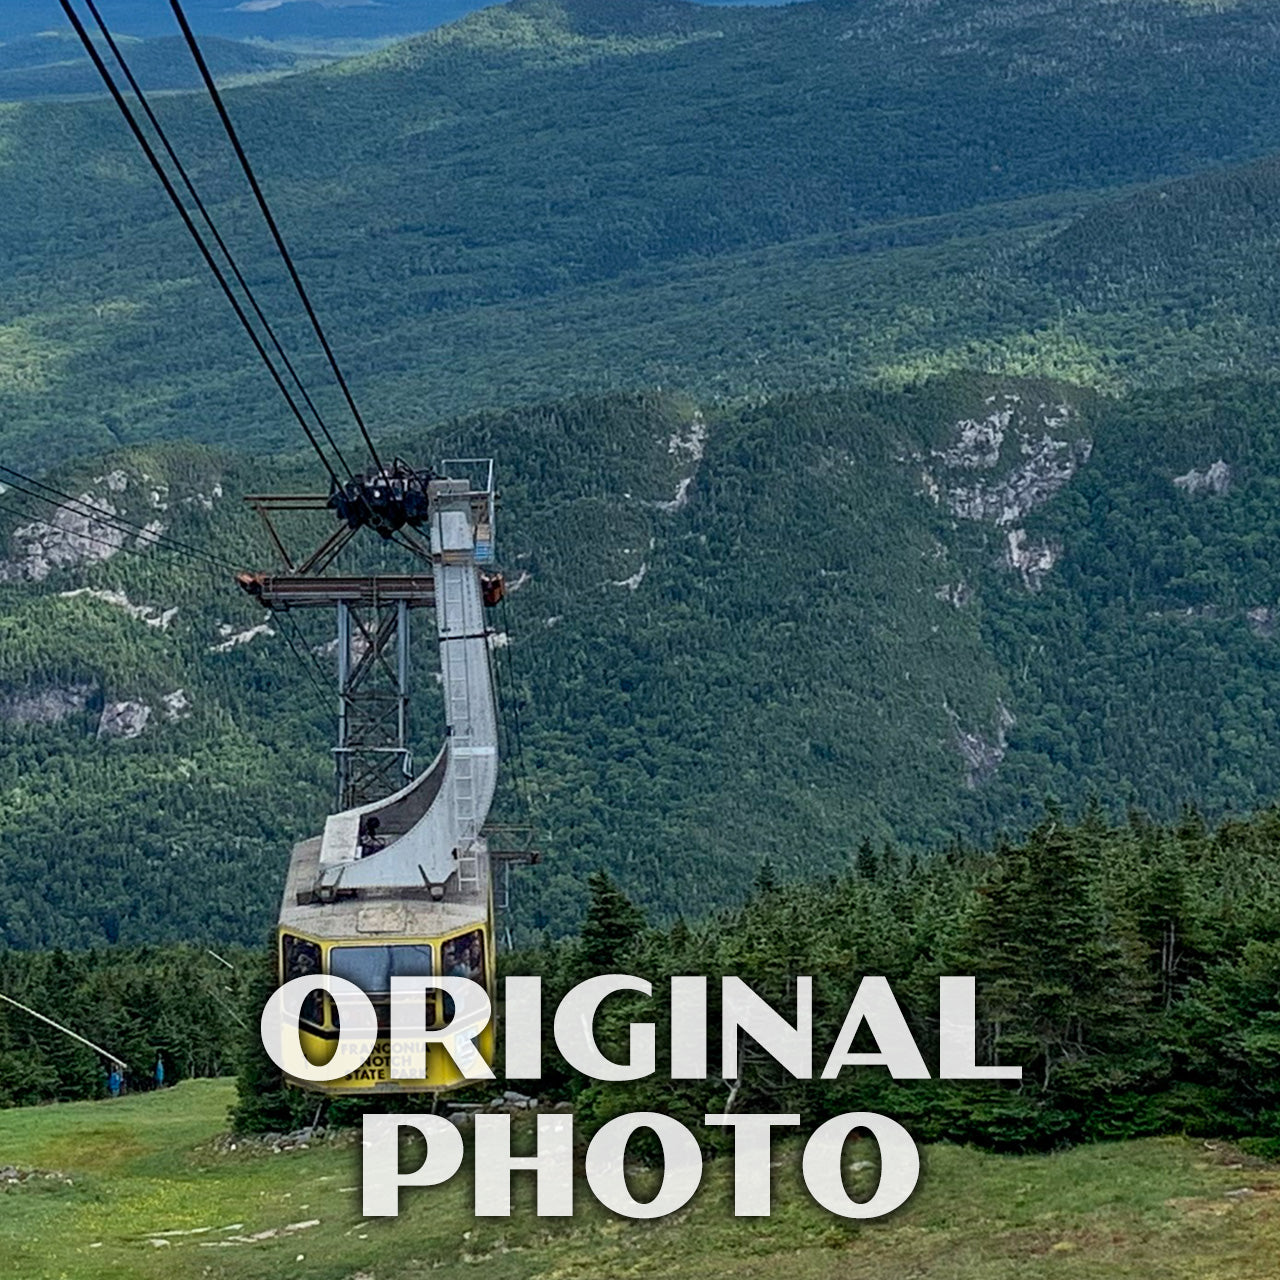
263	19
54	65
555	196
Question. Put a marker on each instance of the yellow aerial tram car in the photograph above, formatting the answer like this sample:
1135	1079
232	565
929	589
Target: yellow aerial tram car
368	942
403	886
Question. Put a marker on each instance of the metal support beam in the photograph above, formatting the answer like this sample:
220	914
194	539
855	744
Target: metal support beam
372	755
288	591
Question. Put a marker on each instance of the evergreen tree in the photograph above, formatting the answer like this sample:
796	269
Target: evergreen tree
866	862
612	927
264	1103
766	880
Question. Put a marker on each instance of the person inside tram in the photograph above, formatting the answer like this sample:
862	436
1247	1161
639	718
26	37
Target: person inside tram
464	957
370	840
475	958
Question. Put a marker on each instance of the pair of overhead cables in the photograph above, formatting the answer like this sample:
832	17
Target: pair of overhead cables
44	492
221	271
303	399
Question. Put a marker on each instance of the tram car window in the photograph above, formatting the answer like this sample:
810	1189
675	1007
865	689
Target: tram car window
371	968
301	958
462	957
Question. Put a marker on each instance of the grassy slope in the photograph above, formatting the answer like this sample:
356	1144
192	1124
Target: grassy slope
142	1166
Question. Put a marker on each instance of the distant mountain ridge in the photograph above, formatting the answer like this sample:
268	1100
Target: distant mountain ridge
53	65
282	20
548	197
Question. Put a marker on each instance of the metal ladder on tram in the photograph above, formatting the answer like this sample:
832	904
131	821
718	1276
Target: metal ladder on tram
461	764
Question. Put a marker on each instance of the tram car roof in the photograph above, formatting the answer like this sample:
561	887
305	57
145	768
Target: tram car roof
371	914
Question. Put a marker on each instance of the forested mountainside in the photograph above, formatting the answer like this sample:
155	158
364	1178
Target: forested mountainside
555	195
739	633
938	471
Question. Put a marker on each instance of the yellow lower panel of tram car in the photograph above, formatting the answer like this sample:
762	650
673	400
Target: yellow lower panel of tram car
375	1074
370	963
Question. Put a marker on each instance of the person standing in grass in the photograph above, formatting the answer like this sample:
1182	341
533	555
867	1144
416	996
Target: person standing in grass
159	1071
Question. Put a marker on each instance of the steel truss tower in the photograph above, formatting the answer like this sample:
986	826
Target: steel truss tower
372	756
372	743
372	752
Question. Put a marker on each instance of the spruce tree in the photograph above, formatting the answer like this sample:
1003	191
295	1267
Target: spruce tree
264	1103
611	929
866	863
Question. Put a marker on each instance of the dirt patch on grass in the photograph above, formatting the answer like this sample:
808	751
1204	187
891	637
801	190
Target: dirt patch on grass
1226	1155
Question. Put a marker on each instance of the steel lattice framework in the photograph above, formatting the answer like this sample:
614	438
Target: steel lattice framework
372	753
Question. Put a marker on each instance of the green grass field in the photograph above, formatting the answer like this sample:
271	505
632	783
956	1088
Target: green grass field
148	1195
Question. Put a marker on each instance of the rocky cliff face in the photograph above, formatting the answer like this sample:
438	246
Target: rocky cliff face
123	719
1030	560
982	752
1215	479
83	533
45	706
1002	466
1027	452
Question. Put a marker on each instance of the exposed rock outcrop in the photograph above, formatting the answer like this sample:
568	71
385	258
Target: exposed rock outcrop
956	594
123	719
233	639
73	535
633	582
45	706
11	1176
1045	460
689	444
1032	560
150	614
63	540
1215	479
205	501
329	649
981	753
1262	621
177	706
1001	467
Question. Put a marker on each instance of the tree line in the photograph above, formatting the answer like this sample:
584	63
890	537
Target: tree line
1131	969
